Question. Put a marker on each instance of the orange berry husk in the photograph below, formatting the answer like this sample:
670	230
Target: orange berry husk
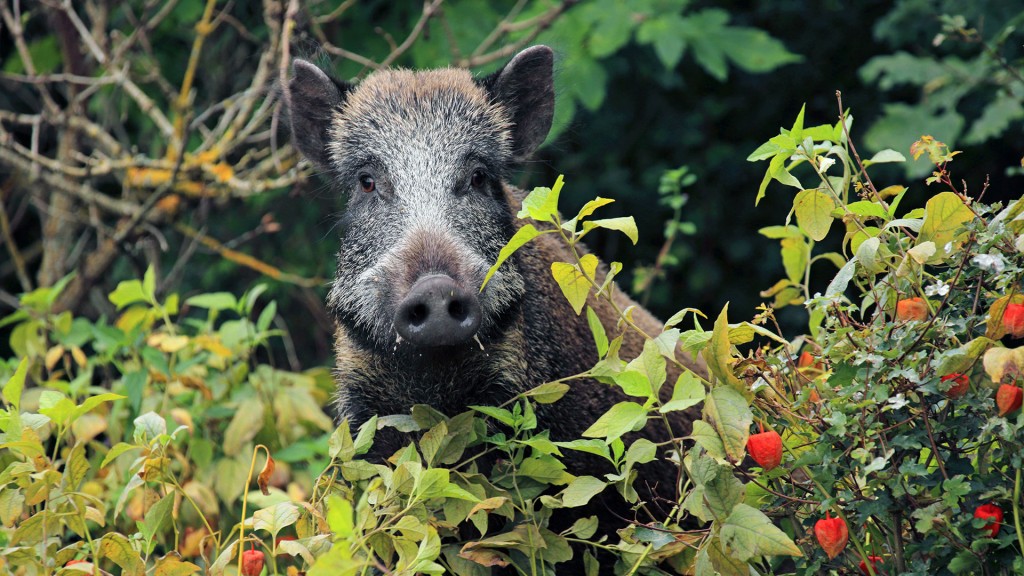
911	309
961	384
1013	320
990	512
1008	398
252	562
832	535
766	449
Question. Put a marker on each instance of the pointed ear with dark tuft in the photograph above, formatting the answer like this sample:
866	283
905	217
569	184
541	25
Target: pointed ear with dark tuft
526	87
312	97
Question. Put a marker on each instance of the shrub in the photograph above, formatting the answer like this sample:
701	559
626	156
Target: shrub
882	467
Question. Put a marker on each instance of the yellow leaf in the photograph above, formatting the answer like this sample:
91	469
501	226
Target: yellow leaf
213	344
813	212
718	354
944	217
53	355
172	344
573	280
116	548
79	356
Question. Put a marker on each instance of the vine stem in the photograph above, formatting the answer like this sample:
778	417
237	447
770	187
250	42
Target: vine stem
1016	511
245	499
640	560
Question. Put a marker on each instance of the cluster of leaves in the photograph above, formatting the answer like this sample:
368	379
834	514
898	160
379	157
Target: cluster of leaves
889	417
968	84
128	442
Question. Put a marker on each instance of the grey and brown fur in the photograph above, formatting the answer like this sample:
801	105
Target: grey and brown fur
421	136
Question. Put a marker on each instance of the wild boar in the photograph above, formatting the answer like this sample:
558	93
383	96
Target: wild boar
422	160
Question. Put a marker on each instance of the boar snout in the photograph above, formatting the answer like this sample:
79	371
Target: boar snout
438	312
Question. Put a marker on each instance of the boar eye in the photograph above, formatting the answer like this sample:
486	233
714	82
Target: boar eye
477	179
367	183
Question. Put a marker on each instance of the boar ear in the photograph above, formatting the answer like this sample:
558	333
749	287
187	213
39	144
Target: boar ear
312	97
525	86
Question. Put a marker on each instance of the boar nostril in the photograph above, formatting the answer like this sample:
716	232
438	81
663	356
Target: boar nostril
438	312
418	314
457	311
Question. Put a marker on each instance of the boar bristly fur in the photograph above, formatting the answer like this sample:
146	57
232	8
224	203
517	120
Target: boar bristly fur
422	158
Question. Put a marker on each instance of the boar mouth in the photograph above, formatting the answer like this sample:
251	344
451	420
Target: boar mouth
438	312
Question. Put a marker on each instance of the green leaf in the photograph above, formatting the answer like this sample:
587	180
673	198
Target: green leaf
747	533
658	539
619	419
521	237
868	209
115	451
275	518
364	440
543	468
15	384
624	224
842	279
884	156
688	391
814	212
944	217
573	280
597	329
75	468
93	401
718	353
797	131
666	33
867	255
340	444
12	504
960	359
246	423
633	383
499	414
56	406
998	115
127	292
727	410
652	364
542	203
547	393
213	301
156	517
584	527
581	490
340	517
795	254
